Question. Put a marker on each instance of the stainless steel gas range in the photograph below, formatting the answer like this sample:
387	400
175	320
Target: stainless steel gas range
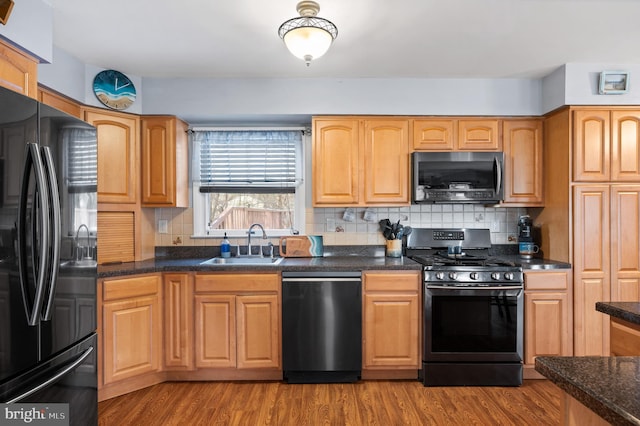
473	307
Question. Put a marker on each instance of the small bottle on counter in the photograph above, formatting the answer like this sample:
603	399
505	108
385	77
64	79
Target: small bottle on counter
225	247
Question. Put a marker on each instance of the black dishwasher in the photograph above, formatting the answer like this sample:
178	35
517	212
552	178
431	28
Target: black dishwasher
321	327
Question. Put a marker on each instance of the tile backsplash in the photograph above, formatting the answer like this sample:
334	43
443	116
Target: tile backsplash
359	226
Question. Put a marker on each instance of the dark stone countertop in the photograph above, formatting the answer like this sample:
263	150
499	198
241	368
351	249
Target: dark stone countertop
627	311
609	386
333	263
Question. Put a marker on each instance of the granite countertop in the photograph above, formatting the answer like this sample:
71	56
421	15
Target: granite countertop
609	386
355	261
627	311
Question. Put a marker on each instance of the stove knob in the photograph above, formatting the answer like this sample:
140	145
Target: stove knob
508	276
495	275
473	275
453	275
440	275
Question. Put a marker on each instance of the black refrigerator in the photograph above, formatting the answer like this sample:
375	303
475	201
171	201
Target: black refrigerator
48	234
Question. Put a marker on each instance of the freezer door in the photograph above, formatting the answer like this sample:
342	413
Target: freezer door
70	377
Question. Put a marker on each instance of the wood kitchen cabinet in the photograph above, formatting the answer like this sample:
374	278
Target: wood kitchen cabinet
434	134
625	338
118	155
391	310
607	145
165	162
479	135
178	321
360	161
606	263
548	309
238	322
523	156
130	329
18	70
58	101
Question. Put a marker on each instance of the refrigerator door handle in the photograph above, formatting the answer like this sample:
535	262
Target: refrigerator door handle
33	162
63	371
54	200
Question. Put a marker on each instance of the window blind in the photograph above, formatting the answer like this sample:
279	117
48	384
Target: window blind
238	160
82	159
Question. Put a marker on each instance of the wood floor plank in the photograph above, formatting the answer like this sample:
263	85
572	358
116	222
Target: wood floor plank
536	402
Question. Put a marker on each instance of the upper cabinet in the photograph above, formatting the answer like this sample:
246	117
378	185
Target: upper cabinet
118	154
360	161
60	102
606	145
442	134
165	160
523	162
479	135
18	71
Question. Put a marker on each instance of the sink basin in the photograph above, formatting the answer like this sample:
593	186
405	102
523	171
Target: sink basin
247	261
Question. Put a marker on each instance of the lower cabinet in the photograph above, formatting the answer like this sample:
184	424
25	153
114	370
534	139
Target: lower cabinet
237	321
130	328
548	327
391	334
625	338
178	322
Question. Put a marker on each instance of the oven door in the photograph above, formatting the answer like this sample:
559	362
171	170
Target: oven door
479	324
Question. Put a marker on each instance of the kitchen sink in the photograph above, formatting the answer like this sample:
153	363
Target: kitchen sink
246	261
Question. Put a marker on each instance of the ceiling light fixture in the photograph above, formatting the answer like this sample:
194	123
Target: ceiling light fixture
308	37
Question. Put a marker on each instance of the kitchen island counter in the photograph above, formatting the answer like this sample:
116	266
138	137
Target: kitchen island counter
608	386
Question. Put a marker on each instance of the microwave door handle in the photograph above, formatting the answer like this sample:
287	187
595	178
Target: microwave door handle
498	175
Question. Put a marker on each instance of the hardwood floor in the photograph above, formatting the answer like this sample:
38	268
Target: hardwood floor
384	403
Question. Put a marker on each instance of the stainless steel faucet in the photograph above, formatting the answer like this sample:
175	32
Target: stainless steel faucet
264	237
80	249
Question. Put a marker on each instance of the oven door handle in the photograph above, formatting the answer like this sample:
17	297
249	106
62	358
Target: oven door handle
454	288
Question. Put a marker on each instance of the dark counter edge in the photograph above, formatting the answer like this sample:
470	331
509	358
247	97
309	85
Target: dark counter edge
596	403
627	311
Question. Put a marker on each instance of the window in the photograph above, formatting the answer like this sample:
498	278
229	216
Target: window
242	177
80	174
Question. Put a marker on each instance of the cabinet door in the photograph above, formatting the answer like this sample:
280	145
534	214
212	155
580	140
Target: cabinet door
479	135
625	243
546	325
18	71
215	326
591	146
433	135
523	162
258	337
178	319
118	155
625	146
391	309
60	102
164	162
591	260
335	162
386	161
131	337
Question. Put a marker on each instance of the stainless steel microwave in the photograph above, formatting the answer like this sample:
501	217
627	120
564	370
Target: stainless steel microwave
457	177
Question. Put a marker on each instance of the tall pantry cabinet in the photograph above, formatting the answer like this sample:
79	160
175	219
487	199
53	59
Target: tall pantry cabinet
597	155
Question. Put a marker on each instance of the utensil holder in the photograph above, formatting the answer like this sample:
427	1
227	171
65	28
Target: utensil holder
394	248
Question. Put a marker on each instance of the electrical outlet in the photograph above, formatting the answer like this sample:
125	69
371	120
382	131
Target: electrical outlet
163	226
495	225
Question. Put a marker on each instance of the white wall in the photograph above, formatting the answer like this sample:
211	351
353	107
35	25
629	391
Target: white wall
582	84
27	15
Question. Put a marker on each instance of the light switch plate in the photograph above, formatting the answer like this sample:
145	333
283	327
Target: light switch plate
163	226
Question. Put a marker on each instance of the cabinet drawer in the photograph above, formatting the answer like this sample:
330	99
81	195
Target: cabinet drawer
131	287
392	281
237	283
625	338
546	280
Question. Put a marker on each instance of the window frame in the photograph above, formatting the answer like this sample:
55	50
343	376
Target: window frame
200	200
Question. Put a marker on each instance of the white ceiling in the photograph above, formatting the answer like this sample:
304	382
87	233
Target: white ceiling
376	38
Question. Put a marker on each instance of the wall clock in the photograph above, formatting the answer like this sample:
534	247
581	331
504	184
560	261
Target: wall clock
114	89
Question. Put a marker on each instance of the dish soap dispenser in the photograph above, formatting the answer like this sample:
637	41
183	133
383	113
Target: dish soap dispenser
225	247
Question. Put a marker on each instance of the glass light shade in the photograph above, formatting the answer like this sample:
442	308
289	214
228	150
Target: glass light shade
308	43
